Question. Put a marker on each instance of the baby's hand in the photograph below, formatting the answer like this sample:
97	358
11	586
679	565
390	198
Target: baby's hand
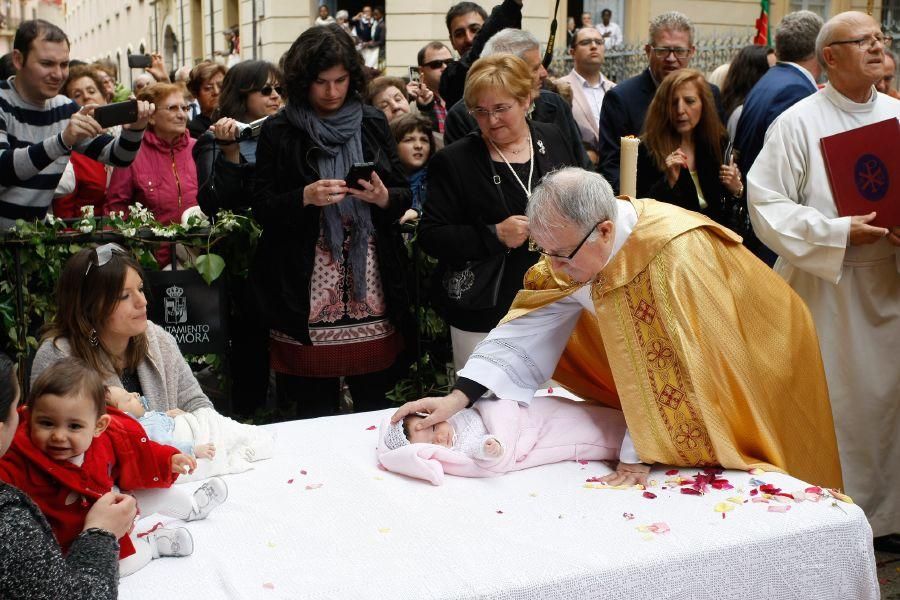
205	451
116	394
182	463
492	447
175	412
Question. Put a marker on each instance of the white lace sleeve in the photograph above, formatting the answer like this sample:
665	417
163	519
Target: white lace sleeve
517	357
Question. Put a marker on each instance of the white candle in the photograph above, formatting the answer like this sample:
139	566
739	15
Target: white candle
628	166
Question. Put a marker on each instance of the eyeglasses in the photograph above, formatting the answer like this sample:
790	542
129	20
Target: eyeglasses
437	64
590	41
664	51
533	246
266	90
185	108
868	42
483	113
104	254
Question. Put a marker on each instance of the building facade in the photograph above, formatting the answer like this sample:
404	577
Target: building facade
188	31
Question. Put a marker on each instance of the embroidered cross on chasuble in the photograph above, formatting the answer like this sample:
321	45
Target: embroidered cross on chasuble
711	356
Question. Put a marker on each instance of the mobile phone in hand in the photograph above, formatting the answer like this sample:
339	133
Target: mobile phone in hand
139	61
414	75
359	171
118	113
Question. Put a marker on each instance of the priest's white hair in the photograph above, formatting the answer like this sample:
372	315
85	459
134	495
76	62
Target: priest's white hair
570	197
510	41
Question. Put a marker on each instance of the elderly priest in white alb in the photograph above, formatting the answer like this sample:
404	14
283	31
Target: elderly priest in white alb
846	270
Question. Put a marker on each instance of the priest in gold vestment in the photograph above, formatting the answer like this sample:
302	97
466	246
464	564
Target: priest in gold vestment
662	313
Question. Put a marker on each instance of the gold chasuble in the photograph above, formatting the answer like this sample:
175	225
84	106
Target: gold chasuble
711	356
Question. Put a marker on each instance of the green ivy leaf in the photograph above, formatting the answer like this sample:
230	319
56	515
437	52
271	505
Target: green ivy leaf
210	266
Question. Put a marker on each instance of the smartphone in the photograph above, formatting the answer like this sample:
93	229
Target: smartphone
139	61
359	171
118	113
414	75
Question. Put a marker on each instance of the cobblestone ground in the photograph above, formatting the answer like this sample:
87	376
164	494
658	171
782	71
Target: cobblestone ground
888	575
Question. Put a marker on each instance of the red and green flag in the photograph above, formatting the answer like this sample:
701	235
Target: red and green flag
763	35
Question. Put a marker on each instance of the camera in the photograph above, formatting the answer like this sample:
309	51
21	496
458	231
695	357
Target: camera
248	131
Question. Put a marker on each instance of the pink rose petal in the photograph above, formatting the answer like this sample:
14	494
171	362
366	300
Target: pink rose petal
290	481
582	462
691	491
628	516
303	471
269	586
314	486
672	472
649	495
659	528
779	508
499	512
371	428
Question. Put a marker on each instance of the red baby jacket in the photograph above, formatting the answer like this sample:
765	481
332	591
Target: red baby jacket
122	455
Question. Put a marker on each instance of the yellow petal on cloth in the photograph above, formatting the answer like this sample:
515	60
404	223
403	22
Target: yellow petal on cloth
724	507
712	357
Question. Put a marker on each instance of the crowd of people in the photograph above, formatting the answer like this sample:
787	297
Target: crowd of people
665	306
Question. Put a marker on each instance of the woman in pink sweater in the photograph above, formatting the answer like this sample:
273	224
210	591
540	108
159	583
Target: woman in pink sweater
163	177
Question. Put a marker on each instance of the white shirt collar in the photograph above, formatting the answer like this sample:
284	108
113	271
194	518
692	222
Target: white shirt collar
626	219
584	82
803	70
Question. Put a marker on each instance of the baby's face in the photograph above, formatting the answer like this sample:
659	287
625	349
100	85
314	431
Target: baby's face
129	402
440	434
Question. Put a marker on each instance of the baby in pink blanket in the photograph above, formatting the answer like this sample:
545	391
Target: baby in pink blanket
497	436
464	432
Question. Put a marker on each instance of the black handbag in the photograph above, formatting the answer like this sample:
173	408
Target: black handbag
477	285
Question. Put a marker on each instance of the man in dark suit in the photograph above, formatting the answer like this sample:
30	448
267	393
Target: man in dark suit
789	81
670	48
549	107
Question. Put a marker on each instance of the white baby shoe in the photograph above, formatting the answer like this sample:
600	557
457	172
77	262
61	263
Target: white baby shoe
207	497
170	542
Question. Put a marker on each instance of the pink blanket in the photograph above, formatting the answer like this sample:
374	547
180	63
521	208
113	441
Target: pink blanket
549	430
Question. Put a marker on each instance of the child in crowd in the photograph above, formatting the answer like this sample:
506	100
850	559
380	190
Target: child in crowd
160	426
497	436
69	450
415	147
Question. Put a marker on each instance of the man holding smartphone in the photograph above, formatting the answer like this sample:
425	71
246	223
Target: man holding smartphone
39	128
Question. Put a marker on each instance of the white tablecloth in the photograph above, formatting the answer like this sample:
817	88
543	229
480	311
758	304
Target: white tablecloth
358	532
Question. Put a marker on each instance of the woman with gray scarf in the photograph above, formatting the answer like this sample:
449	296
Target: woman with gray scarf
331	261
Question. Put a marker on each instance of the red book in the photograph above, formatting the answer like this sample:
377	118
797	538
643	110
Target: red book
863	167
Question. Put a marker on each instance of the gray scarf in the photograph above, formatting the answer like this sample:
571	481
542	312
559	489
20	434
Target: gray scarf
339	137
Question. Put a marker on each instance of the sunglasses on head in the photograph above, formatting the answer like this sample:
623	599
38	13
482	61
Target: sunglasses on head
104	254
267	90
437	64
